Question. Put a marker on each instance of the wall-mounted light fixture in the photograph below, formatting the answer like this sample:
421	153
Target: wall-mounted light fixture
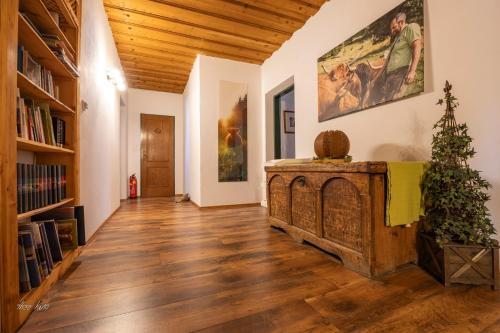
116	77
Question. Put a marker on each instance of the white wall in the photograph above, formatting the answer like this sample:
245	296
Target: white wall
124	187
100	124
192	171
158	103
212	71
459	46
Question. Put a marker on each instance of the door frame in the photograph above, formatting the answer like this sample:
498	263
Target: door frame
277	120
141	153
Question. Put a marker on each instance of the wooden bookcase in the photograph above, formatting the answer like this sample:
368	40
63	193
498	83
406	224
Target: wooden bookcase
15	30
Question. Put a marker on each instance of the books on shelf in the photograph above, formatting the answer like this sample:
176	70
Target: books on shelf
39	186
56	45
25	238
66	213
39	248
34	122
36	73
24	279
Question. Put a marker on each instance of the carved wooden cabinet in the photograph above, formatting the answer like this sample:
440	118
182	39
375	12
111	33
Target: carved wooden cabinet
341	209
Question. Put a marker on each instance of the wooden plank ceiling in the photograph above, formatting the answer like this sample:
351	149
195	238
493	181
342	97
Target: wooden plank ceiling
158	40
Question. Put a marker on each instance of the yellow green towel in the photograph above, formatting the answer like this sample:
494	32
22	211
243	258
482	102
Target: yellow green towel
404	197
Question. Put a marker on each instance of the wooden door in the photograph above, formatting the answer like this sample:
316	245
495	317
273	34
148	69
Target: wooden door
157	156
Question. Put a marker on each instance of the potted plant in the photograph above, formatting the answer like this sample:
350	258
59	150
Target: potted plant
456	244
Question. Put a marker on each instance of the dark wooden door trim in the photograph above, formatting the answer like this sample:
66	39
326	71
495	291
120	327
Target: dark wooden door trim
142	153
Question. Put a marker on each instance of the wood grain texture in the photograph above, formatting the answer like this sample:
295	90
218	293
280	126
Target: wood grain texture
341	209
244	30
8	190
14	30
157	266
157	156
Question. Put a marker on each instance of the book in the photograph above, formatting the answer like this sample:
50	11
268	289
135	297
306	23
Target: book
38	246
31	260
53	240
19	188
46	247
24	278
59	130
68	234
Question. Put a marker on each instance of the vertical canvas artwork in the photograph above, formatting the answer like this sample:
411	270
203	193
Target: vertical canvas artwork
232	132
383	62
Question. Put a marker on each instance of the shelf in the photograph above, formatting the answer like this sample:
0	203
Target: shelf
43	209
35	295
67	12
33	146
35	45
30	89
41	17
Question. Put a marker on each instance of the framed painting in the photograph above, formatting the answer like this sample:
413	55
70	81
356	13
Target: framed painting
383	62
232	132
289	121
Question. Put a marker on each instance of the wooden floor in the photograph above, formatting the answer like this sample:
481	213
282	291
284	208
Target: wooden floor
157	266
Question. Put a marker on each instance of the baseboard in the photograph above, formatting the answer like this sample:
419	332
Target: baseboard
254	204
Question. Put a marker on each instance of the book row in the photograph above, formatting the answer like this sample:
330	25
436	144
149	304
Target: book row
56	45
34	122
40	246
39	186
36	73
42	242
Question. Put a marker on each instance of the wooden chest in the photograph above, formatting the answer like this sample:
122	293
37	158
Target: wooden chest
341	209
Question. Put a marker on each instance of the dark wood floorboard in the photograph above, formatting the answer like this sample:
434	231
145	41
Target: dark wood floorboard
158	266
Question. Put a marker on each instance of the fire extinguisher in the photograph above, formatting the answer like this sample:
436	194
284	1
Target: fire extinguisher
133	186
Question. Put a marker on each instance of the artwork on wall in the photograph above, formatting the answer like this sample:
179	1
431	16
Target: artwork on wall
289	121
381	63
232	136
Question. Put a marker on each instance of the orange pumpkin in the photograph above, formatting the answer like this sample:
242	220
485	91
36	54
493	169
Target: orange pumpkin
331	144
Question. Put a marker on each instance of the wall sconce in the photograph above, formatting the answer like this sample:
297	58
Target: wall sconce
116	77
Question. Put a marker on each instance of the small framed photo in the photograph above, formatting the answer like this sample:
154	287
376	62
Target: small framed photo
289	121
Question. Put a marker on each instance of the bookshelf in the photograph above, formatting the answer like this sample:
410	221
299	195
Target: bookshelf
32	24
44	209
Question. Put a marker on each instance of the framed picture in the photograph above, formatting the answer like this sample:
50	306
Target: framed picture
383	62
232	129
289	121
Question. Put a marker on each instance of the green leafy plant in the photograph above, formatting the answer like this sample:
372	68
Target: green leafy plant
455	195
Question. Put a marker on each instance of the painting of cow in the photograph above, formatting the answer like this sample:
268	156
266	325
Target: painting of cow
381	63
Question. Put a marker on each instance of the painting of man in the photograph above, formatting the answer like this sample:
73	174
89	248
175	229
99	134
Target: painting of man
382	63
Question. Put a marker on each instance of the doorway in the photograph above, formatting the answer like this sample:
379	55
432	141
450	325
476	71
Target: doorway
157	156
284	124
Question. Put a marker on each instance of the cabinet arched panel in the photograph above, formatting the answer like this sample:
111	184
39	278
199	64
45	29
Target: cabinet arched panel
303	205
278	197
342	213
